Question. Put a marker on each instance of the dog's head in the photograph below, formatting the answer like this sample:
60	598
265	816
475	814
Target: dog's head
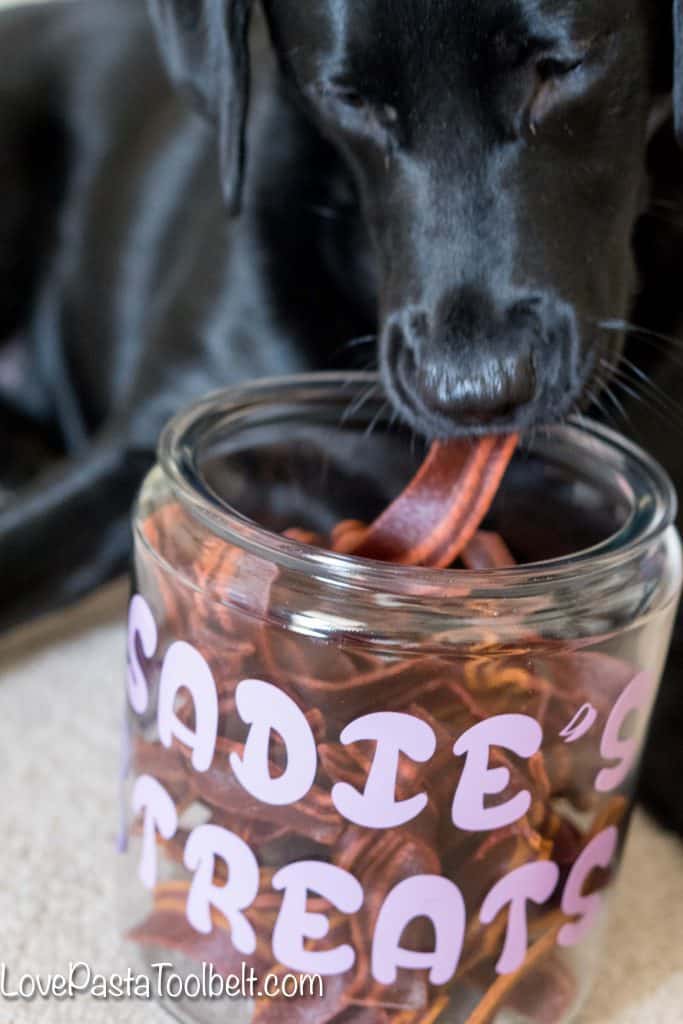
498	150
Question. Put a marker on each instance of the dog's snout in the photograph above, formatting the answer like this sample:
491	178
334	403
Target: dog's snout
479	363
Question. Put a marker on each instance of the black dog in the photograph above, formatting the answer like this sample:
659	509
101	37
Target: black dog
462	177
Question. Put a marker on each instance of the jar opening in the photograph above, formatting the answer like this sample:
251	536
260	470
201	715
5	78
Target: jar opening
312	450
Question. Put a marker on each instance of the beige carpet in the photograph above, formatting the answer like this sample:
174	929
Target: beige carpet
61	695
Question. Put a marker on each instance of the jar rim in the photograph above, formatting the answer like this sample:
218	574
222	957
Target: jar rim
653	510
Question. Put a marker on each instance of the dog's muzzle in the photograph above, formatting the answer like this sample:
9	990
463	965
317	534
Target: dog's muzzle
475	365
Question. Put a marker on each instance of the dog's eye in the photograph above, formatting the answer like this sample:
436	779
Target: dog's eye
555	83
362	112
349	96
340	90
549	68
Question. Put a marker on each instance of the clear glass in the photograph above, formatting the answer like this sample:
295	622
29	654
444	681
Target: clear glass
416	783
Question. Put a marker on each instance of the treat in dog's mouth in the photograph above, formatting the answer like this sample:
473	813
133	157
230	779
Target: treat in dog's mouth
436	520
352	825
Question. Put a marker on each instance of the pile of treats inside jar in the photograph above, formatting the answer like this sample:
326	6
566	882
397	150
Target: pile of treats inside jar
434	523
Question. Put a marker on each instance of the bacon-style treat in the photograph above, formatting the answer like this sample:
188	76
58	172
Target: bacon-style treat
314	817
505	985
167	928
487	550
437	522
440	511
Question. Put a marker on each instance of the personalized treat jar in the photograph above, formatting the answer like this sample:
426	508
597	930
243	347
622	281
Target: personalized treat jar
364	793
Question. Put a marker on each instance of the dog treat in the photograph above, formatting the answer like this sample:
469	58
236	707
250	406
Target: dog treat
434	523
438	514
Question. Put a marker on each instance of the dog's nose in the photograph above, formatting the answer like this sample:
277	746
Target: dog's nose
476	360
493	392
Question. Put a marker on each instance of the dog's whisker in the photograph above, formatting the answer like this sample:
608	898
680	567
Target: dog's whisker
347	346
658	403
665	416
610	367
357	404
640	382
628	390
624	326
626	363
368	365
596	401
666	348
367	339
622	412
637	384
394	418
629	366
616	402
382	411
605	374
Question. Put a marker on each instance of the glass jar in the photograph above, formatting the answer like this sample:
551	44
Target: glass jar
358	793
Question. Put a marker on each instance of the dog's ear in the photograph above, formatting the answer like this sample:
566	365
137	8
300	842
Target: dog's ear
678	70
206	49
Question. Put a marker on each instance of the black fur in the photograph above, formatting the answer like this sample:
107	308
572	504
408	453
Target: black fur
466	178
